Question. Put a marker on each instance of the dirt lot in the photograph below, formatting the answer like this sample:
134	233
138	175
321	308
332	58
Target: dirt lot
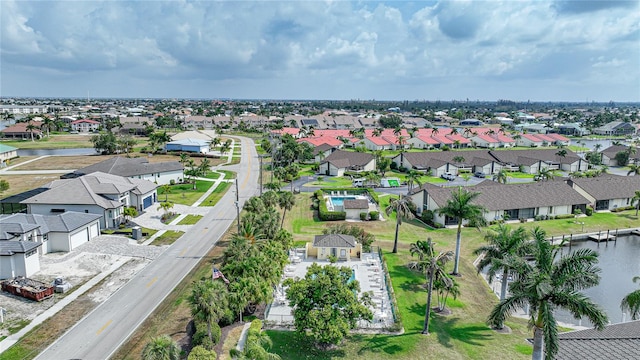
77	267
22	183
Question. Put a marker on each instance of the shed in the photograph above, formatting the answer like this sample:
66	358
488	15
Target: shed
188	145
342	246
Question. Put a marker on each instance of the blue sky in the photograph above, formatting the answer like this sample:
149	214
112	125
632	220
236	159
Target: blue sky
394	50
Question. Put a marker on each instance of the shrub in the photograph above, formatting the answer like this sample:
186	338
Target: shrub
589	211
577	212
565	216
438	226
332	259
172	182
363	216
200	337
318	194
427	216
374	215
523	220
393	166
402	169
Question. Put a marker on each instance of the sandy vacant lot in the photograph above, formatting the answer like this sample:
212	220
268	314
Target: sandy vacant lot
79	266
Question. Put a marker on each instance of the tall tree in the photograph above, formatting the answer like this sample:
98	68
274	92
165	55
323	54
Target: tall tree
326	304
31	128
635	200
413	177
504	248
550	282
209	302
634	169
161	348
402	208
461	207
432	264
631	302
286	201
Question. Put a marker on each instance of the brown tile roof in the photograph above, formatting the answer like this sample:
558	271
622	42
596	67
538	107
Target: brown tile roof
607	187
356	204
514	196
346	159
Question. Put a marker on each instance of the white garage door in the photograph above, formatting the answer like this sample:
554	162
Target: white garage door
93	230
79	238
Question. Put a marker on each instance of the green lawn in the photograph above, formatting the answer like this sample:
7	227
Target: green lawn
216	194
168	238
190	219
185	194
520	175
462	335
332	182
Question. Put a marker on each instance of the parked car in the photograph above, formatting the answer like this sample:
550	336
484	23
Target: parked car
448	176
479	174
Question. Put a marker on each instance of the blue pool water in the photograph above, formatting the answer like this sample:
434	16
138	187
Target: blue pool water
339	200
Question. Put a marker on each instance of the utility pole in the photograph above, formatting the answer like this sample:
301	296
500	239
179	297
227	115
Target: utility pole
260	156
238	205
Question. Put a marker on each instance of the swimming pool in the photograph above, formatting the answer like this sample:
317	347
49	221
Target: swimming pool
339	200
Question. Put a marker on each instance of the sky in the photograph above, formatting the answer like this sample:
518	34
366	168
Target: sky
322	50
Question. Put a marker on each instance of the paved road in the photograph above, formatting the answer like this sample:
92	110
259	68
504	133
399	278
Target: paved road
103	331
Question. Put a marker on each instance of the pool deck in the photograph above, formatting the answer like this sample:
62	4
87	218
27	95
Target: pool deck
369	273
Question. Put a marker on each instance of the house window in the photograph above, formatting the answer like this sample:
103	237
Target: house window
343	253
57	210
550	209
86	211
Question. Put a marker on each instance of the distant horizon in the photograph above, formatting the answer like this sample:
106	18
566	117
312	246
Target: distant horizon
570	51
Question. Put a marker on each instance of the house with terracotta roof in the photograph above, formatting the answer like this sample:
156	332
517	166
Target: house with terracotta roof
513	201
607	192
97	193
529	140
341	161
20	131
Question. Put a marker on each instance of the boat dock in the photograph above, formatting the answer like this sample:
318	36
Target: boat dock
602	237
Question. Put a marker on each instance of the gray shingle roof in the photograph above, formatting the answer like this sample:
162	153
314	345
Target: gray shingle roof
10	230
612	150
334	240
524	157
87	190
431	159
355	204
607	187
65	222
515	196
346	159
617	341
123	166
10	247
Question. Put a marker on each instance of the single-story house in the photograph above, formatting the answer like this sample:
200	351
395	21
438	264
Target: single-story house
95	193
353	208
530	140
615	128
532	160
61	232
85	125
485	141
574	129
340	161
20	131
437	163
136	168
375	143
18	258
188	145
607	192
609	155
616	341
514	201
344	247
7	153
320	152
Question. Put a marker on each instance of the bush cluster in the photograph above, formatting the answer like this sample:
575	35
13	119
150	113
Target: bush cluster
623	208
201	336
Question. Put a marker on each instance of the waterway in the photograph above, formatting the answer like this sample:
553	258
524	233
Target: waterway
620	262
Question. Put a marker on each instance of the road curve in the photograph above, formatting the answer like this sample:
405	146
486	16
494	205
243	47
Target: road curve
99	334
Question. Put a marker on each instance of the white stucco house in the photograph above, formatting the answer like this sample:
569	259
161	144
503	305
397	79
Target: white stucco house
96	193
135	168
340	161
18	258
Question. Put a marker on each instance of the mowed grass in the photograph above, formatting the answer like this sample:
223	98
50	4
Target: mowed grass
216	194
190	219
168	238
185	194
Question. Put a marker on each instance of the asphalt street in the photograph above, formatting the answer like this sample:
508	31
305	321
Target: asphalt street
106	328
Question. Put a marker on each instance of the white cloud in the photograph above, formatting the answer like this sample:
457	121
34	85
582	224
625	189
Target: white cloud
324	49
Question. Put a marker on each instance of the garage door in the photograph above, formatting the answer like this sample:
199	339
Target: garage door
147	202
93	231
79	238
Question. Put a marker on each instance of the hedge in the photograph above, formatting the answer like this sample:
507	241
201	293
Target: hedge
565	216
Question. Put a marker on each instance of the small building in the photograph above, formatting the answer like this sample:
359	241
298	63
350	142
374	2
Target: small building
615	128
471	122
85	125
7	153
340	161
609	155
607	192
20	131
188	145
344	247
18	258
353	208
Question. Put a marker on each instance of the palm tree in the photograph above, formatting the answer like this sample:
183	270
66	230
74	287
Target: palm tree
209	302
204	167
460	207
30	128
225	147
401	206
166	190
413	177
631	302
549	282
634	169
286	201
432	265
48	122
501	176
635	200
165	206
505	247
562	153
215	142
161	348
